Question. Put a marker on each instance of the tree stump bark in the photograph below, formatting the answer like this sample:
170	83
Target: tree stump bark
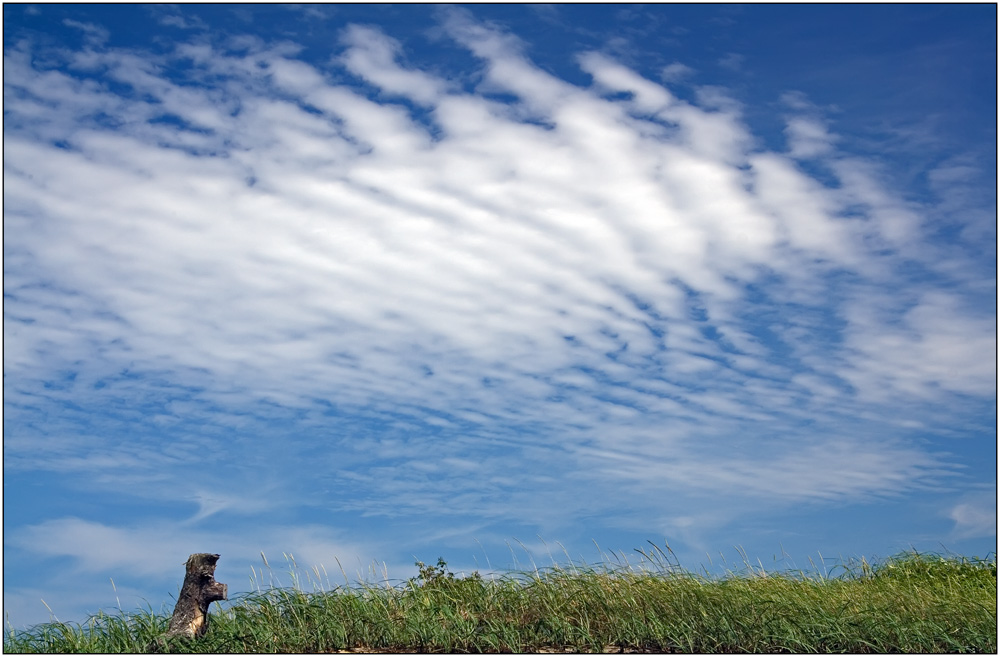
199	590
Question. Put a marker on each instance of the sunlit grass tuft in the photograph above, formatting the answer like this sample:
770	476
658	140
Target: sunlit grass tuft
912	603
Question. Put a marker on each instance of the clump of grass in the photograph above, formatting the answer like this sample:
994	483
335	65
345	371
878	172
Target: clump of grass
102	633
912	603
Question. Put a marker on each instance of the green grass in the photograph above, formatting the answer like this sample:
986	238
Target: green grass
912	603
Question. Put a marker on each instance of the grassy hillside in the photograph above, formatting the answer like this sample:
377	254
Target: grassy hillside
910	603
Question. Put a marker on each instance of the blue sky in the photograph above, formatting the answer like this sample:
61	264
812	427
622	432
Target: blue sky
498	284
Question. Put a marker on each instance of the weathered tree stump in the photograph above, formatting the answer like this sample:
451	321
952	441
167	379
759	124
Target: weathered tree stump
199	590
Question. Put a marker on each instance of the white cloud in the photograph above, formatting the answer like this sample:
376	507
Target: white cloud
897	224
95	35
146	563
535	302
181	22
648	97
371	55
975	516
98	547
808	138
676	72
733	61
806	210
938	346
798	101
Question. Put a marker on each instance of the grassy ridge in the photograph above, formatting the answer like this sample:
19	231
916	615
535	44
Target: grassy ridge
911	603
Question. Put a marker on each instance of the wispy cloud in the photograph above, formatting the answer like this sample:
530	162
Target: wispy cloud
676	71
345	252
975	515
153	553
153	548
94	35
732	61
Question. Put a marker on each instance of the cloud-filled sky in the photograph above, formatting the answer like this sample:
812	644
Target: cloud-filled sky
372	284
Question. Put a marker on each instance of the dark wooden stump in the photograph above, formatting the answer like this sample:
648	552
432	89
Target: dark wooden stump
199	590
